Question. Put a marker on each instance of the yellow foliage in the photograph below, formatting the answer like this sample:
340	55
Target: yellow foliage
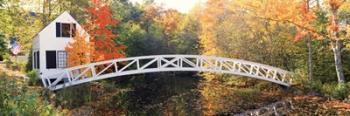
242	29
169	21
78	50
208	43
348	31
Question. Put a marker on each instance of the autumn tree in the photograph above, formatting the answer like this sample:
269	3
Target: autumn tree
169	21
151	12
208	19
186	35
229	30
336	40
209	45
78	50
297	14
101	36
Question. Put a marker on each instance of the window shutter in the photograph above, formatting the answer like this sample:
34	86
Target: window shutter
74	29
38	59
34	60
50	59
58	29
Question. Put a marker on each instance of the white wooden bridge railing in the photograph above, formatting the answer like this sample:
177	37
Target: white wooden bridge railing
162	63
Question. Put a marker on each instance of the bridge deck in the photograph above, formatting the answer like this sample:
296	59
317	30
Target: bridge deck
162	63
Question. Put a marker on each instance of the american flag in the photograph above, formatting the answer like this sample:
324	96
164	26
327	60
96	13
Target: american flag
15	48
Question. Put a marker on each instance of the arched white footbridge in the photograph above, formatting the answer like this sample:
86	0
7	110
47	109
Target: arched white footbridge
162	63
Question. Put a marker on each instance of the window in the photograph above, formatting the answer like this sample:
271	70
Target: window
36	60
56	59
62	59
65	29
50	59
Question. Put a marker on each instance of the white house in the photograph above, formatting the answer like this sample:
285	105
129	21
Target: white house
48	50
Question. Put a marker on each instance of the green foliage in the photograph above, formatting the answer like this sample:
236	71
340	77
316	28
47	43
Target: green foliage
1	2
16	22
22	66
316	86
7	60
321	21
338	91
3	46
33	78
144	36
16	66
247	94
17	99
323	63
335	90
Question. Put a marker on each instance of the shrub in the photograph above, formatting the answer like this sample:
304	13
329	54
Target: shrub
33	78
22	66
13	65
328	89
314	86
341	91
16	99
335	90
75	96
247	94
267	86
19	66
8	63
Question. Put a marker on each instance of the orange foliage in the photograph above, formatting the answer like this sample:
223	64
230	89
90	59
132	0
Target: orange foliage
77	50
101	37
335	4
297	13
333	26
307	17
151	11
294	12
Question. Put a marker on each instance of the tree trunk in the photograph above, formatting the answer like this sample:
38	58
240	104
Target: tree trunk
336	44
336	47
309	47
309	59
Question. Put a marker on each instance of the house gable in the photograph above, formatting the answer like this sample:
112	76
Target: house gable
49	49
65	17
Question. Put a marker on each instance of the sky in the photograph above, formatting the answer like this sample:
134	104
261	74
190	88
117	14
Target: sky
183	6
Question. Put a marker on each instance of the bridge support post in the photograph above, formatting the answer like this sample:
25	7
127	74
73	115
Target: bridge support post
93	70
